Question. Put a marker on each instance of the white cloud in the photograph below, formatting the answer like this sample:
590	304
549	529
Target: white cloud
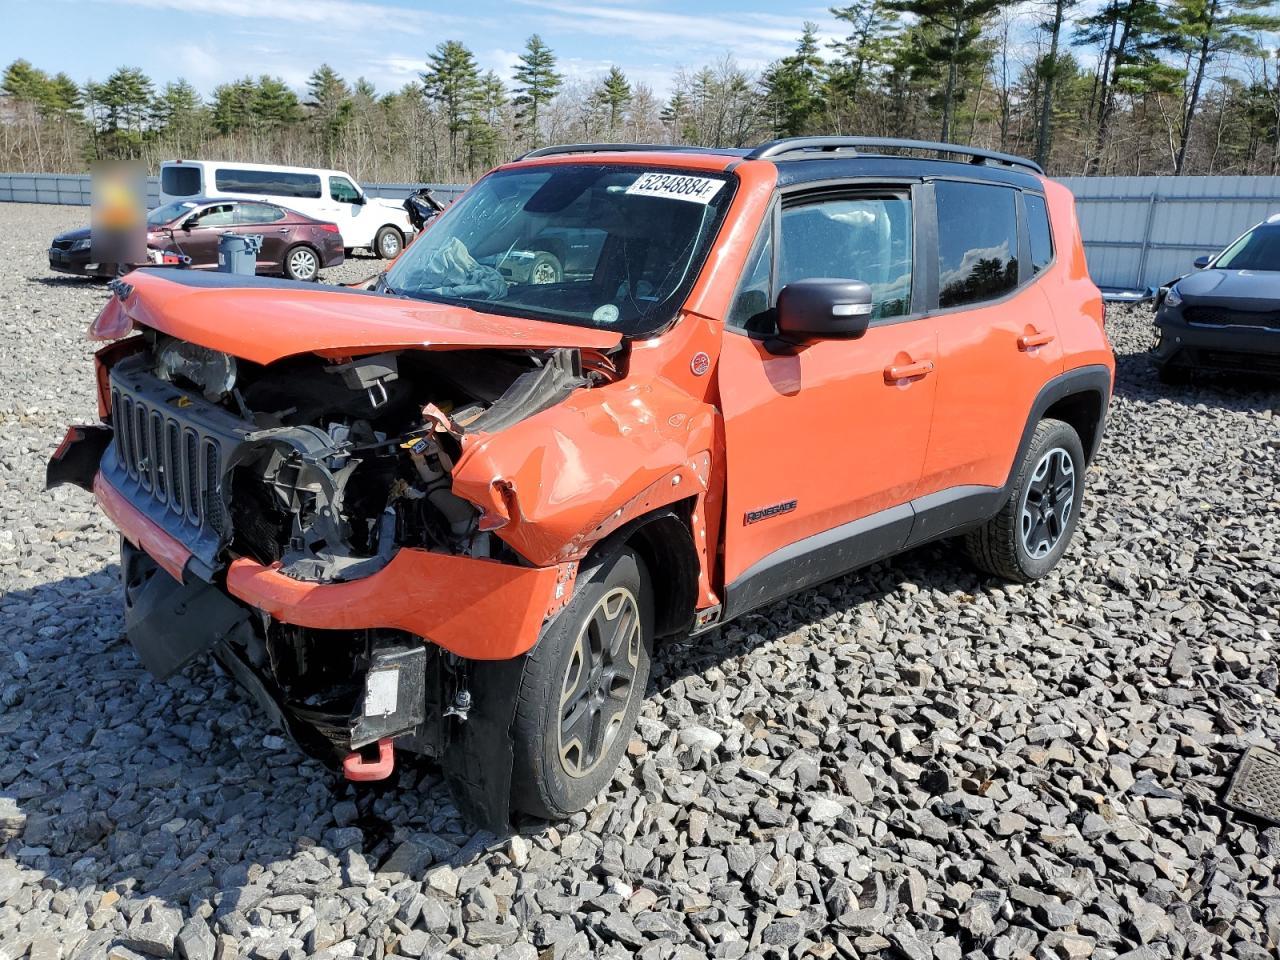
320	12
753	39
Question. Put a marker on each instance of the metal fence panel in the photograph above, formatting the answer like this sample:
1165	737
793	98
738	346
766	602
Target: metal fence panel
1138	231
74	189
1141	232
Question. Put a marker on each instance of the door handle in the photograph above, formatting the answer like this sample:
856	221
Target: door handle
1029	341
908	371
283	229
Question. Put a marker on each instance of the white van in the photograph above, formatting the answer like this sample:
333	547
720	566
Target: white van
380	225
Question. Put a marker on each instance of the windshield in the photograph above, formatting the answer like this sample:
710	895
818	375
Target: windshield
1259	249
603	245
169	212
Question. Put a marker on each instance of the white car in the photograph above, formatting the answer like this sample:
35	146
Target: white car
380	225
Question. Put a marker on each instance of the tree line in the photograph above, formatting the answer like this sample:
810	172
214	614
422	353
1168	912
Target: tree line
1136	87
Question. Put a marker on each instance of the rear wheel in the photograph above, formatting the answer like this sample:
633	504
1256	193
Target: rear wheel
582	688
388	243
1027	538
301	263
546	269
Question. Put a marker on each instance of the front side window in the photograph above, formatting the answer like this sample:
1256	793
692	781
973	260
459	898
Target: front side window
268	183
977	242
170	212
1259	249
614	246
343	190
865	238
1038	229
257	213
219	216
751	303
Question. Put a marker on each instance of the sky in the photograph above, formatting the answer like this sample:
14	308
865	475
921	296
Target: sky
386	41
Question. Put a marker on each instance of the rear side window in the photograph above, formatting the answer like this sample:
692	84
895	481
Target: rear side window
1038	230
977	242
180	181
268	183
257	213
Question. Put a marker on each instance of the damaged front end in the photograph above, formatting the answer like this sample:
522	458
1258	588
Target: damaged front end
305	515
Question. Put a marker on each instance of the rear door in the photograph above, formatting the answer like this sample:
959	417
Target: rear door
268	221
825	443
997	338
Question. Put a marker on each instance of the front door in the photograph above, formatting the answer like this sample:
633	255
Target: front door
200	240
825	444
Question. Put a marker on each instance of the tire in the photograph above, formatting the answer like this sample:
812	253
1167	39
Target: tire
556	773
1022	548
545	268
388	243
301	263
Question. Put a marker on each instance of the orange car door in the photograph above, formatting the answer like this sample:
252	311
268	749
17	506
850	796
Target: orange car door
997	339
825	443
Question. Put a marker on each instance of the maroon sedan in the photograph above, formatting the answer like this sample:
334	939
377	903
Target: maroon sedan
292	243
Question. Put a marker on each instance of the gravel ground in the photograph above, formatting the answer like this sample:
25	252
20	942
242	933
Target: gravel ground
913	762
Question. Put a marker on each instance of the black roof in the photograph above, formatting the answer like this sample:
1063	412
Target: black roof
810	159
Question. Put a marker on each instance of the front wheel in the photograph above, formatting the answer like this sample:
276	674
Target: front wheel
388	243
301	263
582	688
1027	538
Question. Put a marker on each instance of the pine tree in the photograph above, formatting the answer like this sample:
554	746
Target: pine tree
25	83
233	105
949	33
1205	29
536	84
452	82
273	104
792	86
1050	70
179	114
873	29
612	95
1129	32
329	102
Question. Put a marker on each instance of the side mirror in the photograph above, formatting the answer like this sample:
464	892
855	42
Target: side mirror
1202	262
823	309
359	200
188	223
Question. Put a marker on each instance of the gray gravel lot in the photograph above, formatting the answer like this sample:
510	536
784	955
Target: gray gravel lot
913	762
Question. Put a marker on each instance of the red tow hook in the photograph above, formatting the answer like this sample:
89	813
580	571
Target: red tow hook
355	767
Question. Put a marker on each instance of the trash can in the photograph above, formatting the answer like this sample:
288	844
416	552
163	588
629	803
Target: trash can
238	253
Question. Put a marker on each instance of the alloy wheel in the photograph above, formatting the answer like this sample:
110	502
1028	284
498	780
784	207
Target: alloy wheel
390	245
303	264
1047	503
599	682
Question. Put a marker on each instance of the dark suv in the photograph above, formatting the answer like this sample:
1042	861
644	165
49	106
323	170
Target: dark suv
1226	315
452	513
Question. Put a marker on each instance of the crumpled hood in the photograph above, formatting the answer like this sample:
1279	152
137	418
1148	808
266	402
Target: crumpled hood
263	319
1246	289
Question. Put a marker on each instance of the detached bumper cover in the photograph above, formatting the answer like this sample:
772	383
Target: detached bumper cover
478	609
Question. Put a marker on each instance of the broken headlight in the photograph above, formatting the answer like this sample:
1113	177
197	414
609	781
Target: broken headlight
213	372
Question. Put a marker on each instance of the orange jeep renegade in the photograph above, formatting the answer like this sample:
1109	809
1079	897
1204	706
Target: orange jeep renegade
614	393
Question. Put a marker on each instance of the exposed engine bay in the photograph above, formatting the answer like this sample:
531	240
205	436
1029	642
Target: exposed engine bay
322	466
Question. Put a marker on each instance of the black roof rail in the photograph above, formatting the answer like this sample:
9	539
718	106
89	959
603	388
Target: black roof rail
816	147
611	148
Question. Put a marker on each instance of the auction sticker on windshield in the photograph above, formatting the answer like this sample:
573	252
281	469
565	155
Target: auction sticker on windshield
676	186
